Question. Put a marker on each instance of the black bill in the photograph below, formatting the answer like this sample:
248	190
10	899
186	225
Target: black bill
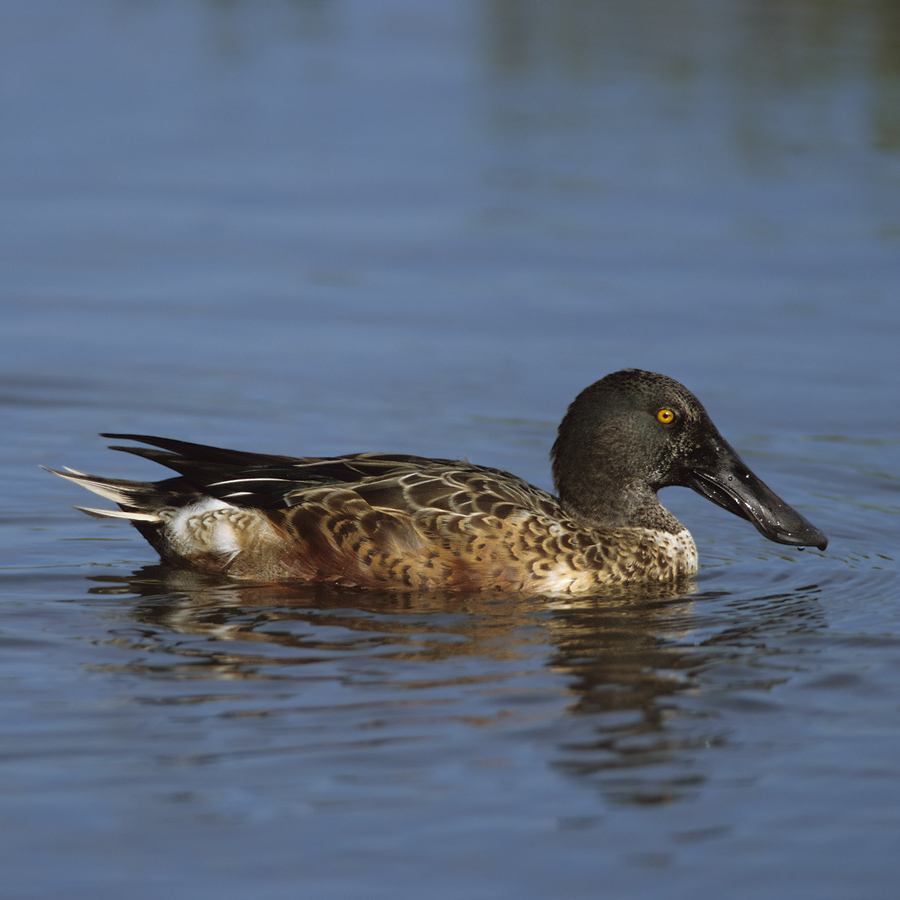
727	481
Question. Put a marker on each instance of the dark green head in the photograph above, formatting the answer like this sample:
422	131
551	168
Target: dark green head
634	432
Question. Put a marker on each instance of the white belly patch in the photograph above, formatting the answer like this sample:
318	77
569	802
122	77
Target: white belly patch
205	527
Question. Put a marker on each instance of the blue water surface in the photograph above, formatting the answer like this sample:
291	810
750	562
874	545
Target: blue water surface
312	227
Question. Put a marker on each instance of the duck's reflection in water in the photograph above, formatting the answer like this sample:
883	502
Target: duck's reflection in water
615	629
613	666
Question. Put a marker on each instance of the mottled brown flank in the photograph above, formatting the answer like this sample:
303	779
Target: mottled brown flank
335	536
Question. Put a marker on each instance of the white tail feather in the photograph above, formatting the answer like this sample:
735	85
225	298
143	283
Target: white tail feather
118	514
104	489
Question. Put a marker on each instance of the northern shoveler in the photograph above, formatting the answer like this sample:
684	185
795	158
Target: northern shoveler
404	522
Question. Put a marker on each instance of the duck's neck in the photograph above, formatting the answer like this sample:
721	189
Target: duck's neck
603	497
616	508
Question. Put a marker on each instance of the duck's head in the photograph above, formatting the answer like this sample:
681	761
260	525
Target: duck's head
634	432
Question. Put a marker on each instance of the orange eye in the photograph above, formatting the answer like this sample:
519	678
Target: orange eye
666	416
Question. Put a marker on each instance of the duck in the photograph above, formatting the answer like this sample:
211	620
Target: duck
405	523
